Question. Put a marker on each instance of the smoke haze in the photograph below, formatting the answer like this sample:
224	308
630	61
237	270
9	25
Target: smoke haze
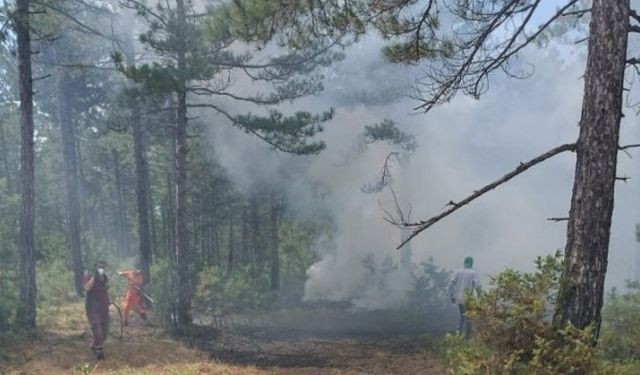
463	145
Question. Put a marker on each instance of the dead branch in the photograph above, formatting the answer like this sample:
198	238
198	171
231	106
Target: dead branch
625	148
623	179
557	219
420	226
633	14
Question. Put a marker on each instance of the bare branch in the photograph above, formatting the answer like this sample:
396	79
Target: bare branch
633	14
623	179
420	226
557	219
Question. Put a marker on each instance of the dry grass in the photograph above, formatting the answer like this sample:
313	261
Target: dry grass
62	347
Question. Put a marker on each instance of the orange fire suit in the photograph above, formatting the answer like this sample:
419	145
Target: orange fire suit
133	297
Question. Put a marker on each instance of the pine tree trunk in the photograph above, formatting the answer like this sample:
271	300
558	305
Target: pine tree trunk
275	243
70	165
230	258
121	224
142	170
581	295
142	193
26	310
255	254
182	234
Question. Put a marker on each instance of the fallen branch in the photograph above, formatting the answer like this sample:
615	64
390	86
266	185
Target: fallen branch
418	227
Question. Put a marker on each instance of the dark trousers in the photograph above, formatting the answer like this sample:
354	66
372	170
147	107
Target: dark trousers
100	330
464	327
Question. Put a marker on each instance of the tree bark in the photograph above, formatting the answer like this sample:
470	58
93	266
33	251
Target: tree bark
141	166
26	310
182	246
70	165
581	292
230	258
275	243
142	193
121	224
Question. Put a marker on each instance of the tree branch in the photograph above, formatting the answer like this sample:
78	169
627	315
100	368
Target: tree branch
557	219
420	226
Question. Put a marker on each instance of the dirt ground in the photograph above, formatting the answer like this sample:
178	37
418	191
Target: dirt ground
63	348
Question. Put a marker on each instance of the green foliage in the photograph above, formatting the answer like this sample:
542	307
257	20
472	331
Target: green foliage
55	284
163	291
8	298
429	291
620	336
514	333
388	131
296	256
243	290
287	133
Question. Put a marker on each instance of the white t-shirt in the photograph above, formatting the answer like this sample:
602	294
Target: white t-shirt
463	280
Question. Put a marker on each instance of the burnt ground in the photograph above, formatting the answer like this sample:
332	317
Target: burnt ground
288	342
337	355
327	341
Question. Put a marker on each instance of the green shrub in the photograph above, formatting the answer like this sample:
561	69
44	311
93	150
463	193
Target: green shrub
162	290
55	284
8	298
429	287
514	332
620	337
241	291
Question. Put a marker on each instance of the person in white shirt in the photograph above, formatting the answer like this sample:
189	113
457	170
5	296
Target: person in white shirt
462	281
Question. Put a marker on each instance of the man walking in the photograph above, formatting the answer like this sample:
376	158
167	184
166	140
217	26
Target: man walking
463	281
97	306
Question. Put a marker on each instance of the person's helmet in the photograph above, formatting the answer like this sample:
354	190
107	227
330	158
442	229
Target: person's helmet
468	262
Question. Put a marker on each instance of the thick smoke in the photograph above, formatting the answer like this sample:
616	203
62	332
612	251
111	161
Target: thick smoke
463	145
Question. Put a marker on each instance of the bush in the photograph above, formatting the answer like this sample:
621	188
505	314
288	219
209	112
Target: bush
8	299
243	290
514	332
429	289
55	284
162	290
620	338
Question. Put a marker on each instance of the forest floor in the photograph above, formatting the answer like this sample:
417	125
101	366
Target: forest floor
61	346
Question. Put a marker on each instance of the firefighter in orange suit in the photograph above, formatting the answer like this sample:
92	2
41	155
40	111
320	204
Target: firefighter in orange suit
133	299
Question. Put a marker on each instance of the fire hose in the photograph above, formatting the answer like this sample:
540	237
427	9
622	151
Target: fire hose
120	315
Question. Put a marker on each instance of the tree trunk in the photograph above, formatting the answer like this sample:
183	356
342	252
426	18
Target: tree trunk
142	193
70	165
244	256
581	294
182	246
142	168
275	243
121	217
26	310
182	249
230	258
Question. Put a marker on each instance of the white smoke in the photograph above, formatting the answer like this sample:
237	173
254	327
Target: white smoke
464	145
